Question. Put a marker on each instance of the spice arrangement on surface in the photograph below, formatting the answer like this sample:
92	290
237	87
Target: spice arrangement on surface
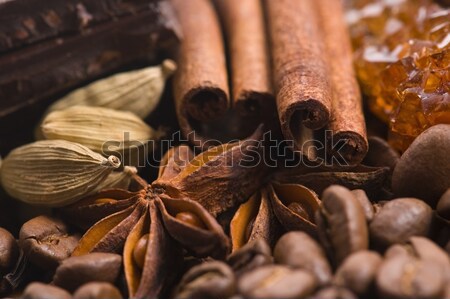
223	149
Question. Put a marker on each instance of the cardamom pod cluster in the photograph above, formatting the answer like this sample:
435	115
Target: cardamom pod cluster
103	130
54	172
136	91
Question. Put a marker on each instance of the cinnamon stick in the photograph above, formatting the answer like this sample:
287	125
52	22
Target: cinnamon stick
300	68
347	122
201	82
243	23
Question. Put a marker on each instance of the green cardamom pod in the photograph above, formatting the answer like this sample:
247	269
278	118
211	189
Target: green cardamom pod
136	91
103	130
54	172
118	179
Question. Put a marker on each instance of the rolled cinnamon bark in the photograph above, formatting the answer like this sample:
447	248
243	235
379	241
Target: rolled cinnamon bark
251	86
347	122
201	82
300	68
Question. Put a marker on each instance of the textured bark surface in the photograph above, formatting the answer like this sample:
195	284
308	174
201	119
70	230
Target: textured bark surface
301	76
201	82
245	30
347	121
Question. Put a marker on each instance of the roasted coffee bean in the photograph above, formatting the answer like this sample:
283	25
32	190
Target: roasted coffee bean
78	270
97	290
443	206
398	220
378	205
275	281
361	196
251	256
334	292
424	249
299	250
9	252
424	168
447	291
341	223
403	277
46	241
358	271
396	250
37	290
209	280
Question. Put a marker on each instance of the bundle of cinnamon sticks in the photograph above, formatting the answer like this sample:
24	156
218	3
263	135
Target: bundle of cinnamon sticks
293	57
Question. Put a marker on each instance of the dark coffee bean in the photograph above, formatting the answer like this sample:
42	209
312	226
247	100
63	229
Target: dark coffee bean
443	206
405	277
299	250
361	196
398	249
37	290
252	255
425	249
424	168
9	252
447	291
398	220
341	223
334	292
97	290
358	271
275	281
46	241
209	280
78	270
378	205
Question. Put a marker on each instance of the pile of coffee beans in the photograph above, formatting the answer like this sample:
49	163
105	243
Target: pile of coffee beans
363	250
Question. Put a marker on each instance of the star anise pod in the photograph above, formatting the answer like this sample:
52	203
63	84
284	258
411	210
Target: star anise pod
146	225
273	209
289	201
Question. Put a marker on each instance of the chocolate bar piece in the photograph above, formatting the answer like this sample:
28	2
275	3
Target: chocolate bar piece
23	22
45	69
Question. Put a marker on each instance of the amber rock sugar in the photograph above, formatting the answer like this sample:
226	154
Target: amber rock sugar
402	57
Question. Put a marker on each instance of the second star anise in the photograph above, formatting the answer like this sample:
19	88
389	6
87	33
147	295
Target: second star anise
146	225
